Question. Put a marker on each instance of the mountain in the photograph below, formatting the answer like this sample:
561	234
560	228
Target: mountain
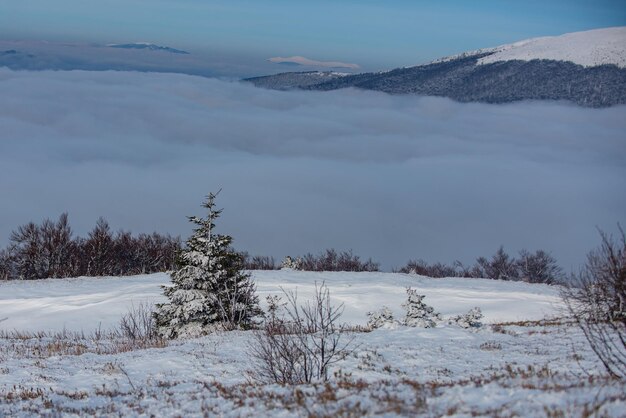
43	55
148	47
295	80
587	68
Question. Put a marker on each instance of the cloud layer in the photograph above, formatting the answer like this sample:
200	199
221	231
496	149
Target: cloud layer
312	63
392	177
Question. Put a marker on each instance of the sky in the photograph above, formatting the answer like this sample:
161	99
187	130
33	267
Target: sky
390	177
373	34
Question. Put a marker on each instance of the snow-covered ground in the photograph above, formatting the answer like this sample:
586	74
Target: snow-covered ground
536	369
84	304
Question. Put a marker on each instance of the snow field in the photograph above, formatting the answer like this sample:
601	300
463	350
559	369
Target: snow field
84	304
505	370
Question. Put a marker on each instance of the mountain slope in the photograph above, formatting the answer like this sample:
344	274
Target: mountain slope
587	68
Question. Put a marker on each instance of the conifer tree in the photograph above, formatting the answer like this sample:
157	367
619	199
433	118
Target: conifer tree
418	314
210	289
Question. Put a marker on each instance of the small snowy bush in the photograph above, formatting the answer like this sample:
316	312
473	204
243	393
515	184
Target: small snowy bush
418	314
291	264
380	318
470	320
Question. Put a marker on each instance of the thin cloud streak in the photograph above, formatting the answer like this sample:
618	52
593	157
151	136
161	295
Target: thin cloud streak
392	177
298	60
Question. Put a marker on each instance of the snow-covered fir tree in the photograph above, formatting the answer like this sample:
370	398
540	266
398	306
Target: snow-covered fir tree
418	314
210	290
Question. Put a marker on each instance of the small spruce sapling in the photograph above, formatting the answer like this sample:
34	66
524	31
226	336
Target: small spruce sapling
210	289
418	314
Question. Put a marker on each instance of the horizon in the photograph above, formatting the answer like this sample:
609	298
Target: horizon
309	163
242	35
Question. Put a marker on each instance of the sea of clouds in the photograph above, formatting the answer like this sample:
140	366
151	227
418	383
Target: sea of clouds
391	177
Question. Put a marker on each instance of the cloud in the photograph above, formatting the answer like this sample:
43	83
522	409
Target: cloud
297	60
392	177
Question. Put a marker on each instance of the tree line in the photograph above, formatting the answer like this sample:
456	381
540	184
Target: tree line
537	267
50	250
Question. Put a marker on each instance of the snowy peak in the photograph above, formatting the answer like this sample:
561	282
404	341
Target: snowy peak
586	68
590	48
148	46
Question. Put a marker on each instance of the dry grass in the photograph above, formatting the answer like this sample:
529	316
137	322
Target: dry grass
135	332
331	399
41	344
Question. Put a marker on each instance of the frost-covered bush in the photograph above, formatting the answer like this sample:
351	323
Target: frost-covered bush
210	289
380	318
418	314
291	264
472	319
597	302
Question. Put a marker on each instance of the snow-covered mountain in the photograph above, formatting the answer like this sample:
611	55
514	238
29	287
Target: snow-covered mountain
587	68
591	48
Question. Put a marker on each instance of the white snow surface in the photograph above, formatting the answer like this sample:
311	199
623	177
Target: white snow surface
506	370
86	303
589	49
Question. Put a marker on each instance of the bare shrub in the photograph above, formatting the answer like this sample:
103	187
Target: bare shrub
539	267
6	265
302	343
597	301
138	323
501	266
49	250
258	262
437	270
333	260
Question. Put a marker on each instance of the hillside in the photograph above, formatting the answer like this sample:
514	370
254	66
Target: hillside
587	68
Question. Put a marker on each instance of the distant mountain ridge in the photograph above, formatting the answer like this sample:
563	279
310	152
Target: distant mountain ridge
146	57
149	47
587	68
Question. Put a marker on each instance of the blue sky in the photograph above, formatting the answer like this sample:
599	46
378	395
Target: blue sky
375	34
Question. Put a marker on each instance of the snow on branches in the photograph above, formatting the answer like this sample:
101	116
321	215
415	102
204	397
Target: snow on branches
210	290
